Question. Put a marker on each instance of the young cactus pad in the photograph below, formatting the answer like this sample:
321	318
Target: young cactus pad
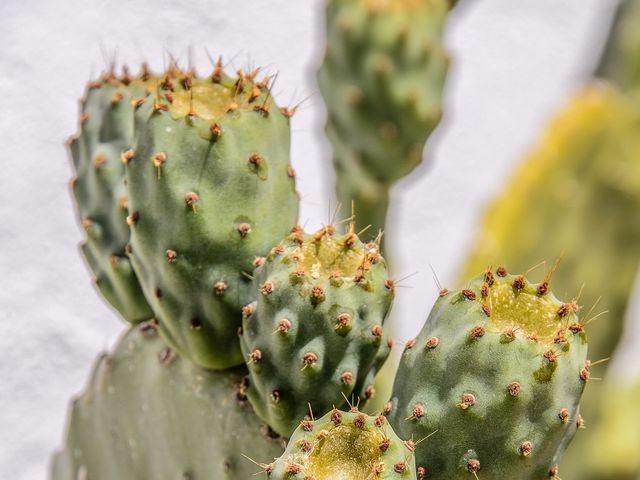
345	446
313	335
498	370
106	128
382	80
210	188
149	414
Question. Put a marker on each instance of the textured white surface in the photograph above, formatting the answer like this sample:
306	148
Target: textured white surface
515	61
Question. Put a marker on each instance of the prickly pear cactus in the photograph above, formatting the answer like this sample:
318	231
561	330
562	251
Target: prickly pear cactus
314	334
148	414
106	128
621	59
345	445
210	188
382	80
497	372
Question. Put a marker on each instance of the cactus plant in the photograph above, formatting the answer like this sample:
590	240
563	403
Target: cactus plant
497	370
382	80
106	128
147	413
314	333
208	191
345	445
210	187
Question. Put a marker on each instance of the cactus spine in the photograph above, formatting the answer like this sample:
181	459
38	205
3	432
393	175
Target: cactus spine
497	370
382	81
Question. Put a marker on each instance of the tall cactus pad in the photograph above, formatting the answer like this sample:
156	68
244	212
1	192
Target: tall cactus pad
382	81
314	335
210	188
497	370
106	128
148	414
345	445
621	59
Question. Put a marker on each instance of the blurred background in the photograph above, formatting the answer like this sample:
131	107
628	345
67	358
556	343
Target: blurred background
515	64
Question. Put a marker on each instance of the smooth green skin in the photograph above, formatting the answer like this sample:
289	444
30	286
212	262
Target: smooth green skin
199	323
383	71
492	429
620	62
144	418
397	450
353	349
98	190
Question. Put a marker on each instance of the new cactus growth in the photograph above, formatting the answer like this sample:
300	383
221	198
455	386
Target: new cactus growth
314	334
382	80
106	128
497	370
345	446
210	188
147	413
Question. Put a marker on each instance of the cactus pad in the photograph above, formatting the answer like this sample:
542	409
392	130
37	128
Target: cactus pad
345	446
314	333
149	414
382	80
210	188
497	372
106	128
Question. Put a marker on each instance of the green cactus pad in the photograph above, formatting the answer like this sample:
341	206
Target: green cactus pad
210	188
497	372
149	414
314	334
345	446
382	80
106	128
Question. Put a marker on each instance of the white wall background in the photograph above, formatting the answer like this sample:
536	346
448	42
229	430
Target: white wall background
515	62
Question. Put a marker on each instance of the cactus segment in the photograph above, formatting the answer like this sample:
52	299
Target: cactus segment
498	371
345	446
382	80
149	414
210	188
620	62
106	129
314	333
